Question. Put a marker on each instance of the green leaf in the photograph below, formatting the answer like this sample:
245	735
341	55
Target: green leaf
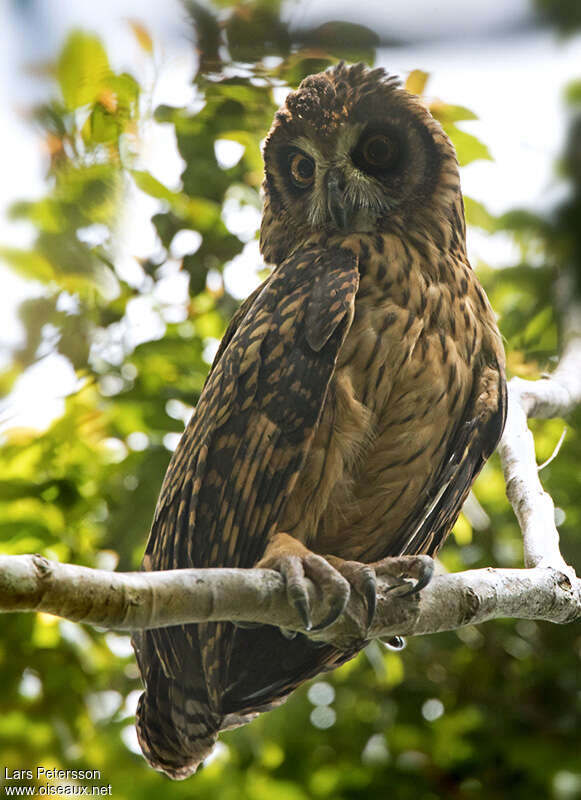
194	266
468	147
7	379
151	186
540	333
346	40
28	264
198	211
82	68
46	214
416	81
302	63
125	88
89	193
446	114
478	215
523	221
101	127
255	30
573	93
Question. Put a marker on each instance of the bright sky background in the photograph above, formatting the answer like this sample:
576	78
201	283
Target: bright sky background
513	80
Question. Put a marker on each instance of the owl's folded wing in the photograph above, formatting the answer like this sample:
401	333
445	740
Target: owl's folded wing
254	424
471	443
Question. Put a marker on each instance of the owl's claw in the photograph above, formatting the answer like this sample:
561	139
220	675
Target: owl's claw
337	608
300	600
370	590
361	577
289	635
296	563
400	569
296	569
394	643
332	585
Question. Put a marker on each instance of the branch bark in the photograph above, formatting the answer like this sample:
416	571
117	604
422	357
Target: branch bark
554	395
548	589
139	600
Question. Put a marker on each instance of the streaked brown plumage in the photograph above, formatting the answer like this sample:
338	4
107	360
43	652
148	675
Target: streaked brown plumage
354	399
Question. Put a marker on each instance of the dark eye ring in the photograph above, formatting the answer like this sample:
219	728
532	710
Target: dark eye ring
380	151
301	169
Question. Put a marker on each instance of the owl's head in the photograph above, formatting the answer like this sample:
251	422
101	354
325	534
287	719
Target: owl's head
351	151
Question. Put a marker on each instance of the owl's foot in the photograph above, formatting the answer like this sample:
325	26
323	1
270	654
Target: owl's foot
335	578
405	575
296	563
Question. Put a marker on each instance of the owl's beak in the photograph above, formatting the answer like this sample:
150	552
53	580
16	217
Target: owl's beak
336	206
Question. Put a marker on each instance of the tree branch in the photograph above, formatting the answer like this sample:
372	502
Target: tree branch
554	395
137	600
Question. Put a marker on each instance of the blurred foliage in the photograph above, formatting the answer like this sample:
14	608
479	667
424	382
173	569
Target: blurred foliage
481	713
565	15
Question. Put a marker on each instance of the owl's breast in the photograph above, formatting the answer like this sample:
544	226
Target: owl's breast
402	382
381	341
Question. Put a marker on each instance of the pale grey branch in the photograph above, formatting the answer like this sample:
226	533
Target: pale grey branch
555	395
130	601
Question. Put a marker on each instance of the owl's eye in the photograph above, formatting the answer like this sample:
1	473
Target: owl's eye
302	169
377	152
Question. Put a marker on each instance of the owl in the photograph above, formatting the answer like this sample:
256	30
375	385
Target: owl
353	401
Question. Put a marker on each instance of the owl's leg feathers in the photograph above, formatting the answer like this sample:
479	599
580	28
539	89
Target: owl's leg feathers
296	563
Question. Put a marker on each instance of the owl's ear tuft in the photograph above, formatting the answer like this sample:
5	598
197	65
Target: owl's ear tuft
313	100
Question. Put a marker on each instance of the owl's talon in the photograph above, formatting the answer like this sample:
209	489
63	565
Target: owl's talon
331	584
425	574
394	643
301	603
337	608
370	591
296	563
290	635
361	577
399	569
292	569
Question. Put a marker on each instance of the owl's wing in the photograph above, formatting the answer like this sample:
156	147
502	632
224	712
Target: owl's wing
234	324
229	478
472	442
244	447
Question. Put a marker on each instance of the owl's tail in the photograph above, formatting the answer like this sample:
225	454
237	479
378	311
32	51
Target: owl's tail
176	732
177	726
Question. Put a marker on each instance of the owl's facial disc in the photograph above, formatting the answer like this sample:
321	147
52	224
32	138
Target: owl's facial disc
352	152
345	183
